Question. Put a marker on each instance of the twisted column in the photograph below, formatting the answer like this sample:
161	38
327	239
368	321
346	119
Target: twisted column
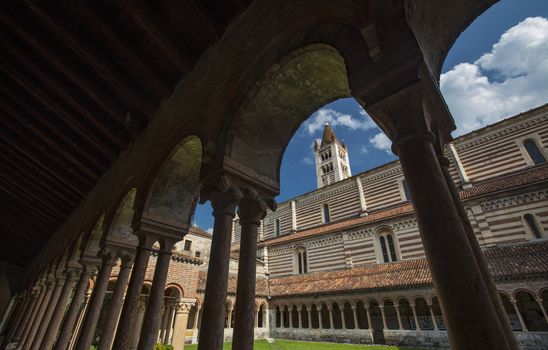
224	198
126	325
52	305
115	305
70	320
57	316
96	302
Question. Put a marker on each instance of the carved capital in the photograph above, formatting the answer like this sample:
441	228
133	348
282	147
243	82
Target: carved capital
224	196
183	308
252	208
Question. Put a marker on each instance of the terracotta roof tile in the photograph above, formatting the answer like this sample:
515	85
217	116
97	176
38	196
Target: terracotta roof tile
528	260
261	286
504	182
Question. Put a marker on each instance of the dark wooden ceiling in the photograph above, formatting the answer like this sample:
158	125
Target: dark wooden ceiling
80	80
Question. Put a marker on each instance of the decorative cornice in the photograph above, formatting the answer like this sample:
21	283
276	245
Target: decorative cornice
514	200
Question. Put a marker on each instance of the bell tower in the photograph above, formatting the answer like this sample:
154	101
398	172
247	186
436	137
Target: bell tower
331	156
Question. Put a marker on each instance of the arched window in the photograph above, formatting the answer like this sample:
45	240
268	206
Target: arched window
534	152
388	249
325	214
405	188
534	227
301	261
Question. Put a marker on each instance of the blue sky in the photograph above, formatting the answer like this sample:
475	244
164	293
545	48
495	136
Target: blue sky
497	68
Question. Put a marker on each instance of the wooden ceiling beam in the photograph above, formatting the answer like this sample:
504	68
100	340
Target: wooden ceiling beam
31	211
21	222
36	120
89	54
21	166
212	23
22	157
41	157
70	71
148	22
65	92
44	97
46	145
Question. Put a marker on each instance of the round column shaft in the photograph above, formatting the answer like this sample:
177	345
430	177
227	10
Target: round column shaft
52	305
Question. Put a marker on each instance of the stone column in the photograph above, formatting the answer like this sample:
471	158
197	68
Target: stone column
224	198
369	325
320	321
300	316
330	309
520	317
81	315
309	311
37	300
355	316
539	302
151	322
115	305
57	317
434	323
126	324
40	313
26	310
179	326
71	317
85	337
163	325
471	319
417	325
384	326
7	313
343	321
479	256
290	312
169	322
400	325
45	322
229	318
137	325
251	210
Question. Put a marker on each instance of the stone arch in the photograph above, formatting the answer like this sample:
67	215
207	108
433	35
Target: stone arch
173	190
390	314
94	238
362	315
314	319
386	244
119	222
174	290
436	310
423	314
337	317
304	316
530	311
510	310
406	313
294	317
348	315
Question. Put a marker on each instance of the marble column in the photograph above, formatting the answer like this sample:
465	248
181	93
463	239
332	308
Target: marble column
539	302
141	306
520	316
8	312
343	321
151	322
320	320
417	325
126	325
330	309
369	325
224	198
115	305
57	317
434	323
52	305
479	256
40	313
384	326
300	317
163	324
355	316
36	295
19	326
81	316
169	322
40	292
229	319
257	317
179	325
455	273
85	337
309	311
71	317
400	325
290	318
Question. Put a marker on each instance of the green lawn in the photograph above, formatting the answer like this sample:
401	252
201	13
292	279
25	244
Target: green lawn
299	345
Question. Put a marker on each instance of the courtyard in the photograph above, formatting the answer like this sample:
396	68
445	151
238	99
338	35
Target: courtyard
302	345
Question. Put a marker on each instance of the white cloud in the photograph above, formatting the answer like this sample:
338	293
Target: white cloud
381	141
209	230
364	149
318	120
308	160
511	78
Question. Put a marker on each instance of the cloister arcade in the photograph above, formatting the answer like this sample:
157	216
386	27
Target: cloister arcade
267	70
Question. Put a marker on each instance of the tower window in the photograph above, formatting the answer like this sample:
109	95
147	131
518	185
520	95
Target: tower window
301	261
387	247
406	193
277	227
325	213
534	152
533	225
188	245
